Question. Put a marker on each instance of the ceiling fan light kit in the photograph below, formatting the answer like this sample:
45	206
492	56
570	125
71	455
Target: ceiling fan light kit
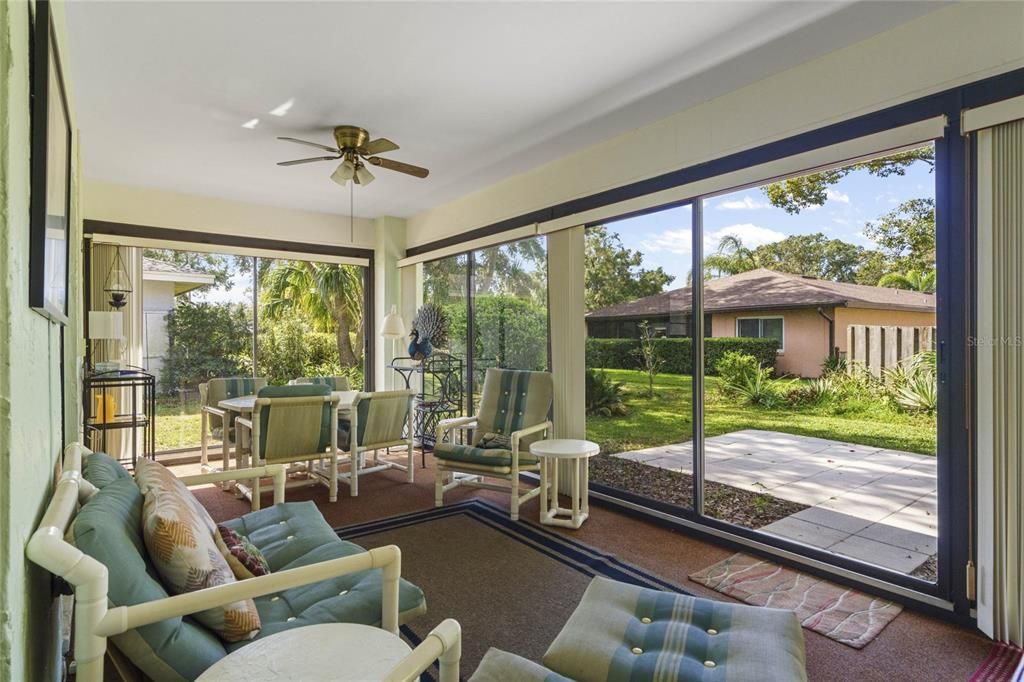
355	147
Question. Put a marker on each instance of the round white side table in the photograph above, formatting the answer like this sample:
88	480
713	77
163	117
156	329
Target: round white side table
344	652
578	453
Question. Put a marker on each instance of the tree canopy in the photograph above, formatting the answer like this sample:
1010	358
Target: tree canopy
615	273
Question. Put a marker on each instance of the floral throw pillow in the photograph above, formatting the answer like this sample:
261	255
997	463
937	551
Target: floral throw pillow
184	552
244	558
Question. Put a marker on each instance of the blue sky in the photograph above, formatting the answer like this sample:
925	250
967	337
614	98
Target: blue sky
664	238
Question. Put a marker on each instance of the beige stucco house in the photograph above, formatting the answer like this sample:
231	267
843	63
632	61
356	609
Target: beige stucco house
809	316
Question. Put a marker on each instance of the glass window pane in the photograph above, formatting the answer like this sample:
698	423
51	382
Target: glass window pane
771	328
749	327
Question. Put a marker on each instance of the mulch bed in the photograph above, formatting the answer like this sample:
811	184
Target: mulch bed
742	507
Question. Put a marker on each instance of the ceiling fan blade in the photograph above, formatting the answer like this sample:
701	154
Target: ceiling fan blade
406	168
311	144
315	158
379	146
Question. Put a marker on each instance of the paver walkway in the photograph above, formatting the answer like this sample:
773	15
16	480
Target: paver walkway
867	503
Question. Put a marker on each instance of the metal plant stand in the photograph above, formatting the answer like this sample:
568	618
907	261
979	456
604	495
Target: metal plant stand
440	395
133	395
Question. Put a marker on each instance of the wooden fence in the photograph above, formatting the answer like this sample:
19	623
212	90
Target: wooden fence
883	347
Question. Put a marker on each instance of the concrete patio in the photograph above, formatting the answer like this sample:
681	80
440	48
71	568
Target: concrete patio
871	504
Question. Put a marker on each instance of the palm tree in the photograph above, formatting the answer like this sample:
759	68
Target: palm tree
914	280
730	258
329	295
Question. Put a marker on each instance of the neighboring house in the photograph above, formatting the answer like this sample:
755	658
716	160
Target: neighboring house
809	316
162	282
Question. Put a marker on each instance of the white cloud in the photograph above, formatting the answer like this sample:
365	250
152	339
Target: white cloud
836	195
747	203
751	235
674	241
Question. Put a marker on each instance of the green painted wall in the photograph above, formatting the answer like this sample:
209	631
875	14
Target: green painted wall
30	360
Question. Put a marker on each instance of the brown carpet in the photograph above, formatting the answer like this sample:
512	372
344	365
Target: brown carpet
838	612
914	647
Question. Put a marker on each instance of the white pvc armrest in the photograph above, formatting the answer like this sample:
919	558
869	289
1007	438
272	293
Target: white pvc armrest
213	410
444	642
446	425
242	421
123	618
279	472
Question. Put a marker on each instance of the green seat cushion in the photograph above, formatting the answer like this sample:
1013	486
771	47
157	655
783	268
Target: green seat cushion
501	666
109	529
295	534
101	469
686	638
493	457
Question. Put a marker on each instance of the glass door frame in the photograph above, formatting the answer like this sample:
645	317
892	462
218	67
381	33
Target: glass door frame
947	597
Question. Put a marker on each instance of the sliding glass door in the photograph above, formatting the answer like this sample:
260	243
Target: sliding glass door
820	387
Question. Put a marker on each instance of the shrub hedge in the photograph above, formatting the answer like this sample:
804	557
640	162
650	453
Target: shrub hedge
676	354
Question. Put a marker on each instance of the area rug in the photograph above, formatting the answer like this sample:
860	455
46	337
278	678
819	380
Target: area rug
1005	663
510	584
840	613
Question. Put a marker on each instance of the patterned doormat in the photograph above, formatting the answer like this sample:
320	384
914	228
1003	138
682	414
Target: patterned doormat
1005	663
838	612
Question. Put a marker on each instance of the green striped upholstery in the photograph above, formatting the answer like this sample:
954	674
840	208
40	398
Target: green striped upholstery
337	383
514	399
229	387
501	666
622	632
291	426
491	457
381	417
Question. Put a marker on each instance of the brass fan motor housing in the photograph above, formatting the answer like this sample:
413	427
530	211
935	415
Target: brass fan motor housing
351	137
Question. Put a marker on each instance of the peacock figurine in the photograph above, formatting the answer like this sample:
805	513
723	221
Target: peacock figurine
429	327
419	350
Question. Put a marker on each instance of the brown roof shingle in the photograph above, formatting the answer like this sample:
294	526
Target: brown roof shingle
761	288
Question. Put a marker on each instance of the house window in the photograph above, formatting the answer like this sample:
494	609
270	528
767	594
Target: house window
761	328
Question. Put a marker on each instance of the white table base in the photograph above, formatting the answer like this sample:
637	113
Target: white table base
550	513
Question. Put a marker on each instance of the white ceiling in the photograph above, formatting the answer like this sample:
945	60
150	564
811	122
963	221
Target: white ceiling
476	92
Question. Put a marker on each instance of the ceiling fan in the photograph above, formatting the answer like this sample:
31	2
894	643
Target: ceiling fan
356	149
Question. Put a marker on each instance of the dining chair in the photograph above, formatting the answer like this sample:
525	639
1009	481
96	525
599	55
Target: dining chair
338	382
378	420
292	424
211	417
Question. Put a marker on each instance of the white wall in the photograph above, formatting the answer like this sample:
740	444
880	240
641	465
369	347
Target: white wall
160	208
949	47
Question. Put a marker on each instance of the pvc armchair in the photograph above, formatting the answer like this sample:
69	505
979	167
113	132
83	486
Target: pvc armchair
513	413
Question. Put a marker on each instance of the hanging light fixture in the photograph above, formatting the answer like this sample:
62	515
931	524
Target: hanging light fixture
118	284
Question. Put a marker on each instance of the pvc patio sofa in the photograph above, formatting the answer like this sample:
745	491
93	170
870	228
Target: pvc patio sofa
316	577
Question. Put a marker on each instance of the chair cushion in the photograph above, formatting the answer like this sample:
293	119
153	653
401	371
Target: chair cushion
244	558
300	423
494	457
182	545
686	637
501	666
101	469
109	529
295	534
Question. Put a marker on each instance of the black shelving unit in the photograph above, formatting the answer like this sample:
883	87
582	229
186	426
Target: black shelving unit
134	392
441	393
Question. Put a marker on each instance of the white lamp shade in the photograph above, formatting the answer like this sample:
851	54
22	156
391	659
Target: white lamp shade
106	325
393	327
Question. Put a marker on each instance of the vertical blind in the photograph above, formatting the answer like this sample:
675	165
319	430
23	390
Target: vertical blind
1000	347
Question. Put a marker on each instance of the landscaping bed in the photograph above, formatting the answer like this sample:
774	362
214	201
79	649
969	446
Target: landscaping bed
742	507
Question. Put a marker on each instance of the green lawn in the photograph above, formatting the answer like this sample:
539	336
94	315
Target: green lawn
667	418
177	424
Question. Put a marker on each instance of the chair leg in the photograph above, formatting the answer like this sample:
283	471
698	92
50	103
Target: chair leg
409	464
438	487
515	498
353	477
334	479
256	494
203	438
